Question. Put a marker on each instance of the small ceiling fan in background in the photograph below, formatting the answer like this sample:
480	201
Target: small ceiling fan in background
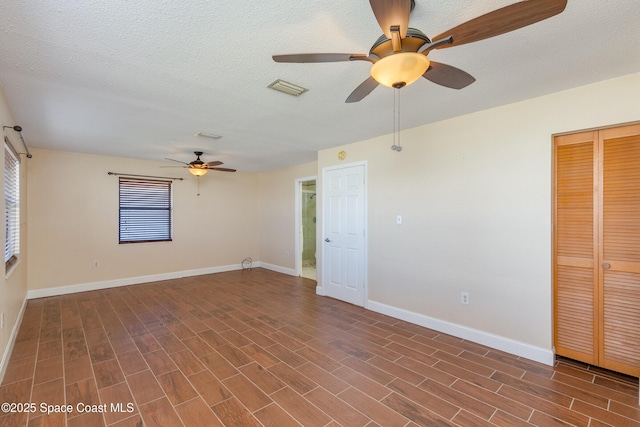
399	56
198	167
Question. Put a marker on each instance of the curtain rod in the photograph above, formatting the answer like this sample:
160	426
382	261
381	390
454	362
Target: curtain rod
144	176
19	130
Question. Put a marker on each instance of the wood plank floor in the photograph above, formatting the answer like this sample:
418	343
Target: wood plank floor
260	348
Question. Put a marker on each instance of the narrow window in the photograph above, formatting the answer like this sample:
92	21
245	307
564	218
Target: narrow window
145	211
11	206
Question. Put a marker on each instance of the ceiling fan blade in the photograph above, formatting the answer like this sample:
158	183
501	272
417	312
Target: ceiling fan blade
174	166
362	90
320	57
214	163
391	13
222	169
502	21
448	76
178	161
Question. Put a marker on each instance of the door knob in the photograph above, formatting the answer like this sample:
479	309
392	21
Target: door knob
606	266
327	240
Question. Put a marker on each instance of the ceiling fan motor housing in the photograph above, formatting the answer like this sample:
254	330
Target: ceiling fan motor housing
415	40
197	162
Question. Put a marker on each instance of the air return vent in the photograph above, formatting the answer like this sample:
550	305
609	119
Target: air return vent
207	135
288	88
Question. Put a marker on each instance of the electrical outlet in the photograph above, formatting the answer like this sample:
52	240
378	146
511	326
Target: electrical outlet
96	264
464	298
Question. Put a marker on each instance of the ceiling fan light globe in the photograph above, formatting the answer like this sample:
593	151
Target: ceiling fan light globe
198	171
400	69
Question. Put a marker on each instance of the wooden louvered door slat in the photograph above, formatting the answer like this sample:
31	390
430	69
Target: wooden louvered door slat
619	253
575	252
597	247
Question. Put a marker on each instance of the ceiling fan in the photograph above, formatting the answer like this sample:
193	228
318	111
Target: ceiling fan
399	56
199	168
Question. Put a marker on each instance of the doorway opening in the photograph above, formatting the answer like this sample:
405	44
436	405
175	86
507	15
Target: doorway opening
306	228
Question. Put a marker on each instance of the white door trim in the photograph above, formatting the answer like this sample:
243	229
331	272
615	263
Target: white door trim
298	225
321	288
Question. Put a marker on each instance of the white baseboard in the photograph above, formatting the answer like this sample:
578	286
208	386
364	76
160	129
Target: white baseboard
84	287
498	342
277	268
12	339
93	286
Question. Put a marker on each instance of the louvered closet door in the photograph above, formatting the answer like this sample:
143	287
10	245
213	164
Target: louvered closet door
597	247
574	248
619	253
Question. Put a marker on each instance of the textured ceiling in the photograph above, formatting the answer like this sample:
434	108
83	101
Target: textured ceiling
139	78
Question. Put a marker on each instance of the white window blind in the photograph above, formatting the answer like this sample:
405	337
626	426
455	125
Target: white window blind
145	210
11	206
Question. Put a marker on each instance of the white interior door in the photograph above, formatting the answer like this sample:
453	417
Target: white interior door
343	237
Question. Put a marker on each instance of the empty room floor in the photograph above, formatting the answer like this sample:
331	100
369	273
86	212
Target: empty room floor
256	348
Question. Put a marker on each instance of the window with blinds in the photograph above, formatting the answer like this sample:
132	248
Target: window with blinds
145	211
11	206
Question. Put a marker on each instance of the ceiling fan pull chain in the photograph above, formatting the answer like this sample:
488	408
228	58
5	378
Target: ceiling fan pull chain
398	146
396	121
394	146
393	128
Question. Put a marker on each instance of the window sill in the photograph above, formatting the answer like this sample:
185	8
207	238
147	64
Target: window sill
133	242
13	267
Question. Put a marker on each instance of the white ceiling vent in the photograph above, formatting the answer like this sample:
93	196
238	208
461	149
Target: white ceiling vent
207	135
288	88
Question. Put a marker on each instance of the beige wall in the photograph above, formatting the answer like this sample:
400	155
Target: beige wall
475	195
73	220
474	191
277	213
13	287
